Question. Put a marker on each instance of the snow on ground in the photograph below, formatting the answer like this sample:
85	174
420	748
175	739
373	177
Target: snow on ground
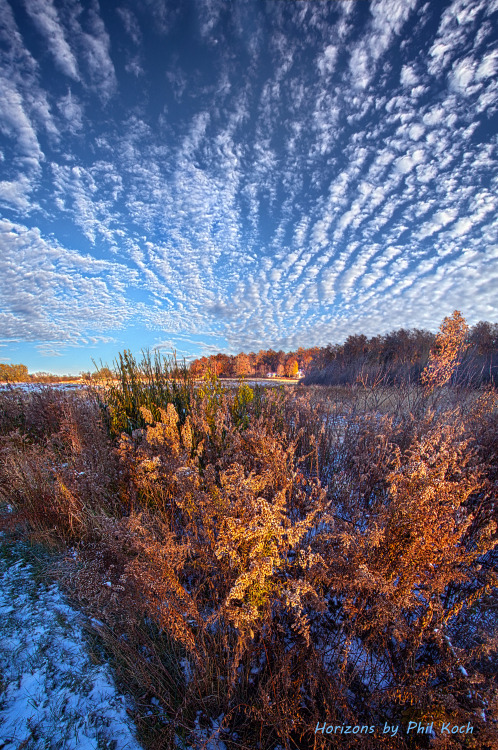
51	694
32	387
208	739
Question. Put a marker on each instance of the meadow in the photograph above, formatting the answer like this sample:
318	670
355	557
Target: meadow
268	567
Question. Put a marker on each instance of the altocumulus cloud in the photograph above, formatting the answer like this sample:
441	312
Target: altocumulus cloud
51	293
217	176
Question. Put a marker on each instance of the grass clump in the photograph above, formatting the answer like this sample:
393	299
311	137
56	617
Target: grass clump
152	383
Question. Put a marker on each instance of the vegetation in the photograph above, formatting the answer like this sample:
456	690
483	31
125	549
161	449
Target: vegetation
19	374
397	357
276	559
13	373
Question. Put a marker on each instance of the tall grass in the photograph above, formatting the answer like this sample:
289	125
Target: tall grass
152	382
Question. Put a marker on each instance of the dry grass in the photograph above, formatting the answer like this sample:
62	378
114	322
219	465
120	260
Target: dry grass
279	558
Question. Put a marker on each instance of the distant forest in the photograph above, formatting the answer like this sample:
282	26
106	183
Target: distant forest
396	357
19	374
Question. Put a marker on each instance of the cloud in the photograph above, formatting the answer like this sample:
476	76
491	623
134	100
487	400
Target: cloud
388	18
408	76
134	67
17	61
163	14
130	22
21	74
45	17
15	123
439	220
457	22
462	76
258	198
72	111
53	294
96	49
327	60
209	12
222	310
16	193
488	66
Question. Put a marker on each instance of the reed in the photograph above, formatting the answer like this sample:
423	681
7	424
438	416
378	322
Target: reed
152	382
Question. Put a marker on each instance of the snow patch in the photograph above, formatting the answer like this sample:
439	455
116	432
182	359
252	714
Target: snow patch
54	696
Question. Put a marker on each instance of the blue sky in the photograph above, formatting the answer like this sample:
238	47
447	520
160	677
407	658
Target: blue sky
214	176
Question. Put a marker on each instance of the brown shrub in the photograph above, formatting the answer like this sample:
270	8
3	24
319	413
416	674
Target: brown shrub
29	483
57	480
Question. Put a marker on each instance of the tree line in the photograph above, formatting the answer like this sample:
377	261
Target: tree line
19	374
398	356
259	364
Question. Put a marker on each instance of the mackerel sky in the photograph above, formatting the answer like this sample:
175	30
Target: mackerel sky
216	175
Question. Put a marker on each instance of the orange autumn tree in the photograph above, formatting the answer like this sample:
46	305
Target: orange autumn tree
443	359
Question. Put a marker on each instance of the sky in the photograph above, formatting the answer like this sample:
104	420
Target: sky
223	176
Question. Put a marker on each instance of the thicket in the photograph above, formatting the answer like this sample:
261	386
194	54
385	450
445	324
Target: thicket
401	357
264	561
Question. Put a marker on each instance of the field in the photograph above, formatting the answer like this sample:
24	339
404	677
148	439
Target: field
267	567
